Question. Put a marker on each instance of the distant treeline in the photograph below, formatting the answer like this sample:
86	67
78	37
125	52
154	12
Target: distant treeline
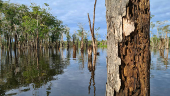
161	39
28	26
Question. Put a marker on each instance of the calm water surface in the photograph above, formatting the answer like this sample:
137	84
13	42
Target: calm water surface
57	73
160	72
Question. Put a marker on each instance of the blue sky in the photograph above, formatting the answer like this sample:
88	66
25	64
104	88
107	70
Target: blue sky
72	12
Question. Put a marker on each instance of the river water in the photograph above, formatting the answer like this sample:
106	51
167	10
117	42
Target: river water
57	73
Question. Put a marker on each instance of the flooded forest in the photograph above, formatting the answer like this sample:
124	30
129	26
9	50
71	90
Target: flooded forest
40	56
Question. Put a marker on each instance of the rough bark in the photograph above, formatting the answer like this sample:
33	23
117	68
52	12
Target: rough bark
128	42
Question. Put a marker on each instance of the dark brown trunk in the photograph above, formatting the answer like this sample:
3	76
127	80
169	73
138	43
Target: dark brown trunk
15	44
128	48
74	51
7	40
82	43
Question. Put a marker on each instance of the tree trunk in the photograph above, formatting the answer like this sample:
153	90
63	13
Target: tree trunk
37	45
157	38
15	44
74	51
26	43
10	43
92	29
0	42
167	41
7	40
82	43
128	52
86	43
61	43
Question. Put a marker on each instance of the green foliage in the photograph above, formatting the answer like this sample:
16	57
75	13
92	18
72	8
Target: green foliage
30	20
21	39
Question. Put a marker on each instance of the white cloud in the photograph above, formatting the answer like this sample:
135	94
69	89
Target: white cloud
72	12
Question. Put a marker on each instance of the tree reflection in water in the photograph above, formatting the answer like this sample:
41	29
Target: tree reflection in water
29	66
91	68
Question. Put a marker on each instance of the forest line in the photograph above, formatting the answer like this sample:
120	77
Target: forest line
24	26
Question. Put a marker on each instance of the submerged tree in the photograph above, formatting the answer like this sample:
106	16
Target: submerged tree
74	38
92	30
29	26
166	29
81	33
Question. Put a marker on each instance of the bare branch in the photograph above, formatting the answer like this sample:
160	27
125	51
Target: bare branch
89	22
94	15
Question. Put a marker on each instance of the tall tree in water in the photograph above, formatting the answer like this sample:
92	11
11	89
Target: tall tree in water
92	30
9	20
166	29
81	33
128	47
74	38
0	23
152	25
68	36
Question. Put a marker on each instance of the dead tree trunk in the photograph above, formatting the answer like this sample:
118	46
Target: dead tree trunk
82	43
61	42
77	43
90	51
86	43
92	29
128	53
74	51
167	41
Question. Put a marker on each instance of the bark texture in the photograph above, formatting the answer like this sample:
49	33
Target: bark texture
128	42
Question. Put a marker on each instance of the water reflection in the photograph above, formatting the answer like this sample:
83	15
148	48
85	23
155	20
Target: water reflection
50	72
28	66
91	68
160	72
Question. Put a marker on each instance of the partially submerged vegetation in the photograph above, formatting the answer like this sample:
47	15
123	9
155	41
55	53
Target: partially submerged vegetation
31	26
35	27
161	39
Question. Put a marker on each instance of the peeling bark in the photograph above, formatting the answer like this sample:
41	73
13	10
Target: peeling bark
128	42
